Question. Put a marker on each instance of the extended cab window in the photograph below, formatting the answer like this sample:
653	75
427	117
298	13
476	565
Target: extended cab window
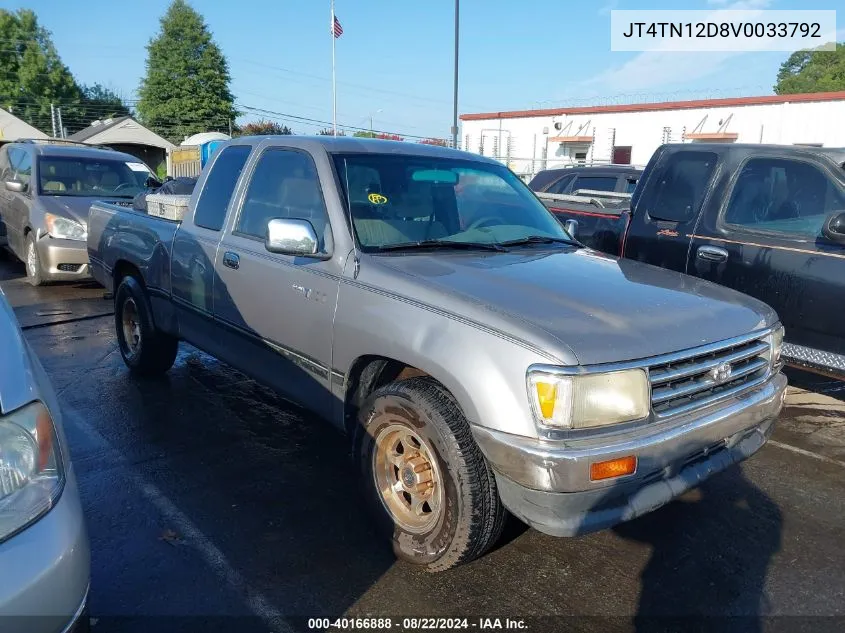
786	196
284	185
675	192
219	186
20	163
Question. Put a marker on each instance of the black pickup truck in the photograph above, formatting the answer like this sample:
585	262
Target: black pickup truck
763	219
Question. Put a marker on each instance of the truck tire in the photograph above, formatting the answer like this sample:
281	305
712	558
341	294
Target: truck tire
33	262
425	479
146	350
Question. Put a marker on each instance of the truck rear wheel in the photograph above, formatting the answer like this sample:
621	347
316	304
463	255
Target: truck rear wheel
426	481
145	350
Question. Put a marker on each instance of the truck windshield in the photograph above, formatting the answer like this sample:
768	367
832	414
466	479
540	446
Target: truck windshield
396	200
77	176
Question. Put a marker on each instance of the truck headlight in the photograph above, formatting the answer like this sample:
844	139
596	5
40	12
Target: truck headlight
31	472
777	344
64	228
589	400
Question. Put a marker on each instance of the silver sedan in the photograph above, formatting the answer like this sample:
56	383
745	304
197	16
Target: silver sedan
44	551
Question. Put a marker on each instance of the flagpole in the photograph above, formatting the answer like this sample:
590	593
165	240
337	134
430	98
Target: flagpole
334	85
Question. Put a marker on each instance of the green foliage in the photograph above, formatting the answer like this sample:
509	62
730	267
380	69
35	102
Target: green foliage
186	87
812	71
262	128
364	135
99	102
381	135
32	75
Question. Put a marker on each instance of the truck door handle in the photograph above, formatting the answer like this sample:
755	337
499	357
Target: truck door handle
231	260
712	254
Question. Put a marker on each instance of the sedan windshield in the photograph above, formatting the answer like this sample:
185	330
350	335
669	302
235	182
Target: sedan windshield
75	176
397	201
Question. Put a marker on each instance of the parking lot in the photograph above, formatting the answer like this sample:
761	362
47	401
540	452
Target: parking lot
212	505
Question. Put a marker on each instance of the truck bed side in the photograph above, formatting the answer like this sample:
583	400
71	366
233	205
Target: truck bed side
121	236
601	228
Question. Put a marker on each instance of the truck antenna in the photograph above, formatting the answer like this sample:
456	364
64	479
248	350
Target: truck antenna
356	259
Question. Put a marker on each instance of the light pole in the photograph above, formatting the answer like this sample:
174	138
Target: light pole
379	111
455	104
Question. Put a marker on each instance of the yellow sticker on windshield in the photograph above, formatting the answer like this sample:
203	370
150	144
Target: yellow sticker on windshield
377	198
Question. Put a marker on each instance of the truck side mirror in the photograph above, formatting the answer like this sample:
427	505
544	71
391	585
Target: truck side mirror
152	183
15	185
288	236
834	227
571	227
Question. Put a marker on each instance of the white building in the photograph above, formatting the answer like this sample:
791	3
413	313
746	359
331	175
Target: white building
531	140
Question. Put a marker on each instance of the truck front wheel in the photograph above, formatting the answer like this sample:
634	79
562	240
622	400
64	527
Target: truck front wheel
146	350
426	481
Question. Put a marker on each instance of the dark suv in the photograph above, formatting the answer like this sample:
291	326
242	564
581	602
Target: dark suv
44	200
618	178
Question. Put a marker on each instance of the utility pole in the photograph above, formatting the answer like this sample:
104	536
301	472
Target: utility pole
230	128
455	105
61	127
53	118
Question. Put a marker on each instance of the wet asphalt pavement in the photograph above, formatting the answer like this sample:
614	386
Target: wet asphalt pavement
214	505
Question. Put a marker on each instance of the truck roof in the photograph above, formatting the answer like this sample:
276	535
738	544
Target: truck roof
355	145
79	151
835	153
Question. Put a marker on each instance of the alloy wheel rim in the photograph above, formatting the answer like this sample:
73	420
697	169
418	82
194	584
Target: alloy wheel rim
131	326
407	478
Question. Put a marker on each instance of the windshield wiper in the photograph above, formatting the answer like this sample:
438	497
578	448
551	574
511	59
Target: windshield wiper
423	244
542	239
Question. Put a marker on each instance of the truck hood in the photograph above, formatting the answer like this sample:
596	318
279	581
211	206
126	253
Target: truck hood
72	207
604	309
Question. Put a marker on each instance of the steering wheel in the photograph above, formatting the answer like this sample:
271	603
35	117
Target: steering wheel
122	186
484	221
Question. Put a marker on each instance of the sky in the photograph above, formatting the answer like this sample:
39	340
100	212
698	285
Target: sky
394	61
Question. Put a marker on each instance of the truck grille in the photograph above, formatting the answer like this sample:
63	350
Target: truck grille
707	374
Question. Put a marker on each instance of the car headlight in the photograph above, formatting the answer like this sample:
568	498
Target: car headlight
776	338
64	228
589	400
31	472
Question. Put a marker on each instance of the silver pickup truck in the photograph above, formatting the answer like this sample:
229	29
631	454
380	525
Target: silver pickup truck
425	302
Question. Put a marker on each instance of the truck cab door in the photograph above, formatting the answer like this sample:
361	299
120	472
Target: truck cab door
195	247
666	212
280	307
767	242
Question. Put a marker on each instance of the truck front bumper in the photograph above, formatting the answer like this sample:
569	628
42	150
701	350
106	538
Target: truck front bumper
63	260
547	484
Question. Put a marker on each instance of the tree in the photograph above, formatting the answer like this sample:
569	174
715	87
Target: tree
186	87
99	102
32	75
263	128
381	135
812	71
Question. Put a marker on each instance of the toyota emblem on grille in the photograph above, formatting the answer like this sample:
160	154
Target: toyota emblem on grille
721	373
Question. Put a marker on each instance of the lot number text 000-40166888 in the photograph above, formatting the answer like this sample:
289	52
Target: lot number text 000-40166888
722	30
416	623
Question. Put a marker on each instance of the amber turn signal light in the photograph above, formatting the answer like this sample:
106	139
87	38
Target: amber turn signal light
613	468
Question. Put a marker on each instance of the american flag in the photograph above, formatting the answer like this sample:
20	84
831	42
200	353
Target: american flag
337	29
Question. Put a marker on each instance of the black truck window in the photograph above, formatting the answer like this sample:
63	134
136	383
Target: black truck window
676	191
595	183
782	195
219	186
561	185
284	185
